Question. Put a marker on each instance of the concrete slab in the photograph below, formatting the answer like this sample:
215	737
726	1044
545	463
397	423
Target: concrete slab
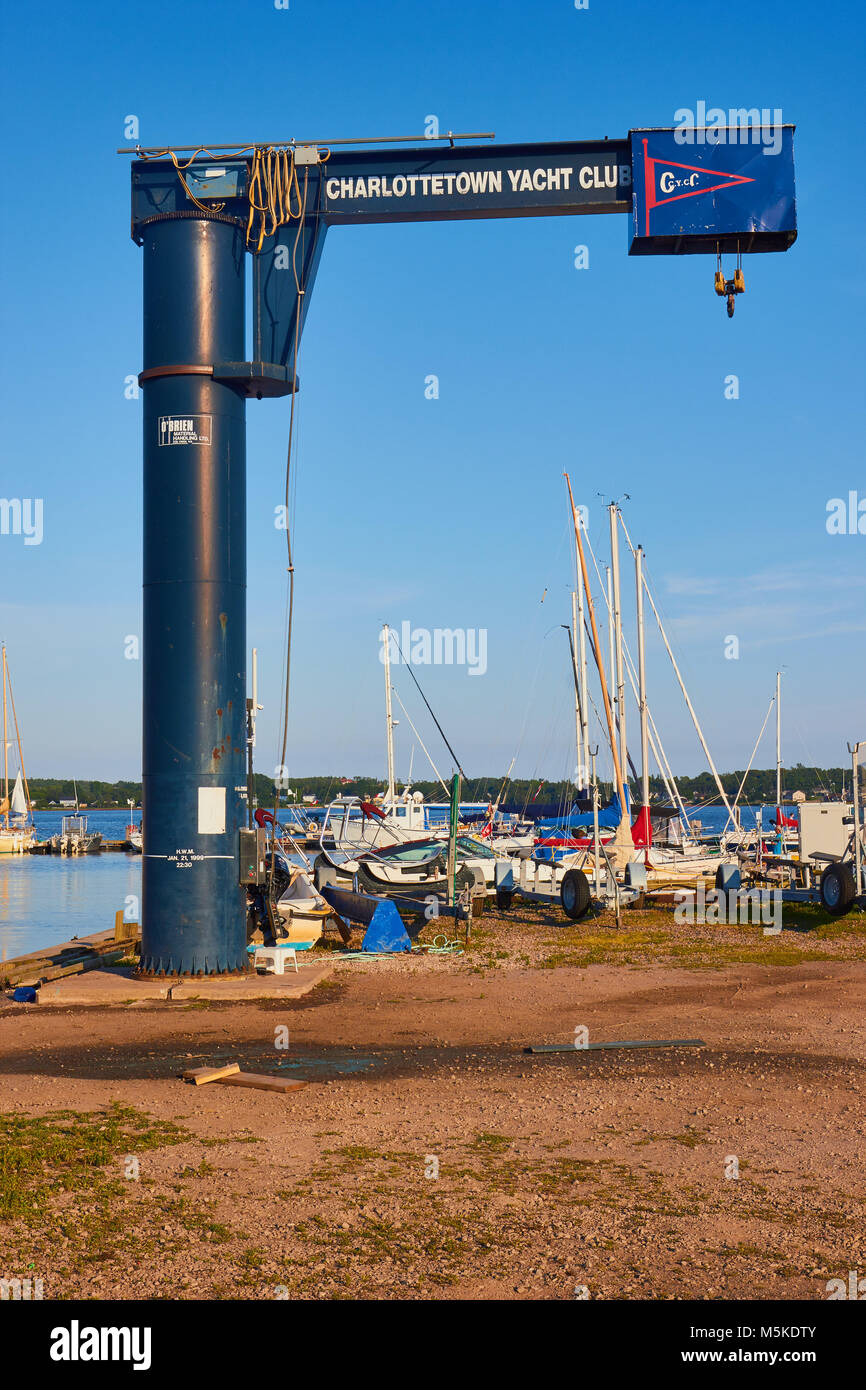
120	987
103	987
289	986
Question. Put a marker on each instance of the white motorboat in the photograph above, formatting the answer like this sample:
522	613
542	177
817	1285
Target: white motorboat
75	838
420	865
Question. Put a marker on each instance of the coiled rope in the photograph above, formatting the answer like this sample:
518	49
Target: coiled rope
274	192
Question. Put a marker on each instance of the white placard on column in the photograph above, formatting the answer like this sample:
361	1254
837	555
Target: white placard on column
211	810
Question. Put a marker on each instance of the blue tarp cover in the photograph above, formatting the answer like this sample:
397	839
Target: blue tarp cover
386	931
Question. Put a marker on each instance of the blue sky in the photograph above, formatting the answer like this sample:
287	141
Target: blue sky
449	512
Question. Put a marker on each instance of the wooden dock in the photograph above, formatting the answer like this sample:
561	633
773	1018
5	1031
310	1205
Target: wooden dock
113	847
73	957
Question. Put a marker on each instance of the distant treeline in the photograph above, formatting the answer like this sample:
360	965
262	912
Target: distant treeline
760	786
44	790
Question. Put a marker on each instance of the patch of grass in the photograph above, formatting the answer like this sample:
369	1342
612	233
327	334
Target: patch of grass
231	1139
808	936
491	1143
65	1196
68	1151
203	1170
358	1153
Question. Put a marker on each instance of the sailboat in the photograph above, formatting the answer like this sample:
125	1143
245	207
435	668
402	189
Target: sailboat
352	824
17	831
654	839
133	832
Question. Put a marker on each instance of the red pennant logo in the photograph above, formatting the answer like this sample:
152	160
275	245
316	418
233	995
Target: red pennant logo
674	181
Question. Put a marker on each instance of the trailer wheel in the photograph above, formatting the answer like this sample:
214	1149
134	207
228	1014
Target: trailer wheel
504	898
837	889
574	894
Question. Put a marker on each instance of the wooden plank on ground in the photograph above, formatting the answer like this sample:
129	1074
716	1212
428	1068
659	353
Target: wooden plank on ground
199	1075
605	1046
258	1082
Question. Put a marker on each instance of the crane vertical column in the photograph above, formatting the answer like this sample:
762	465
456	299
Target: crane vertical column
194	634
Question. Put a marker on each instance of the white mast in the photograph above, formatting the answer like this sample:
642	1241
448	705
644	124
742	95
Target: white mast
779	746
656	745
613	511
623	842
641	670
581	632
579	696
391	795
611	643
5	746
685	693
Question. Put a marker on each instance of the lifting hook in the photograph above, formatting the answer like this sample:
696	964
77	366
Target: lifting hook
732	287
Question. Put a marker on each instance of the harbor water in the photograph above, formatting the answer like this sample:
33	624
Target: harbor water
49	898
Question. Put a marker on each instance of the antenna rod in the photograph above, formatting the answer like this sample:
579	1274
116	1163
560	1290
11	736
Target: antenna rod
241	145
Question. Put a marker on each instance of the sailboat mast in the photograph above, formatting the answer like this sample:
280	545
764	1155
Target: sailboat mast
579	694
613	511
689	706
581	627
389	722
779	743
599	660
18	743
641	672
611	640
5	746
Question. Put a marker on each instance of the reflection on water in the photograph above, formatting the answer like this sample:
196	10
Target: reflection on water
339	1066
46	899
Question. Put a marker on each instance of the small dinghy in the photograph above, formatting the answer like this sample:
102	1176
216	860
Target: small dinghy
302	913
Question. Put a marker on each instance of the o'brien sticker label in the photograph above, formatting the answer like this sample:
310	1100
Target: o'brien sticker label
185	429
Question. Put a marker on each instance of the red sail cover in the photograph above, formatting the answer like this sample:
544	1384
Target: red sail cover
642	830
370	810
790	821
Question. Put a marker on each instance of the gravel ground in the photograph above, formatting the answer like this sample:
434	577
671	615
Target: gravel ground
430	1157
